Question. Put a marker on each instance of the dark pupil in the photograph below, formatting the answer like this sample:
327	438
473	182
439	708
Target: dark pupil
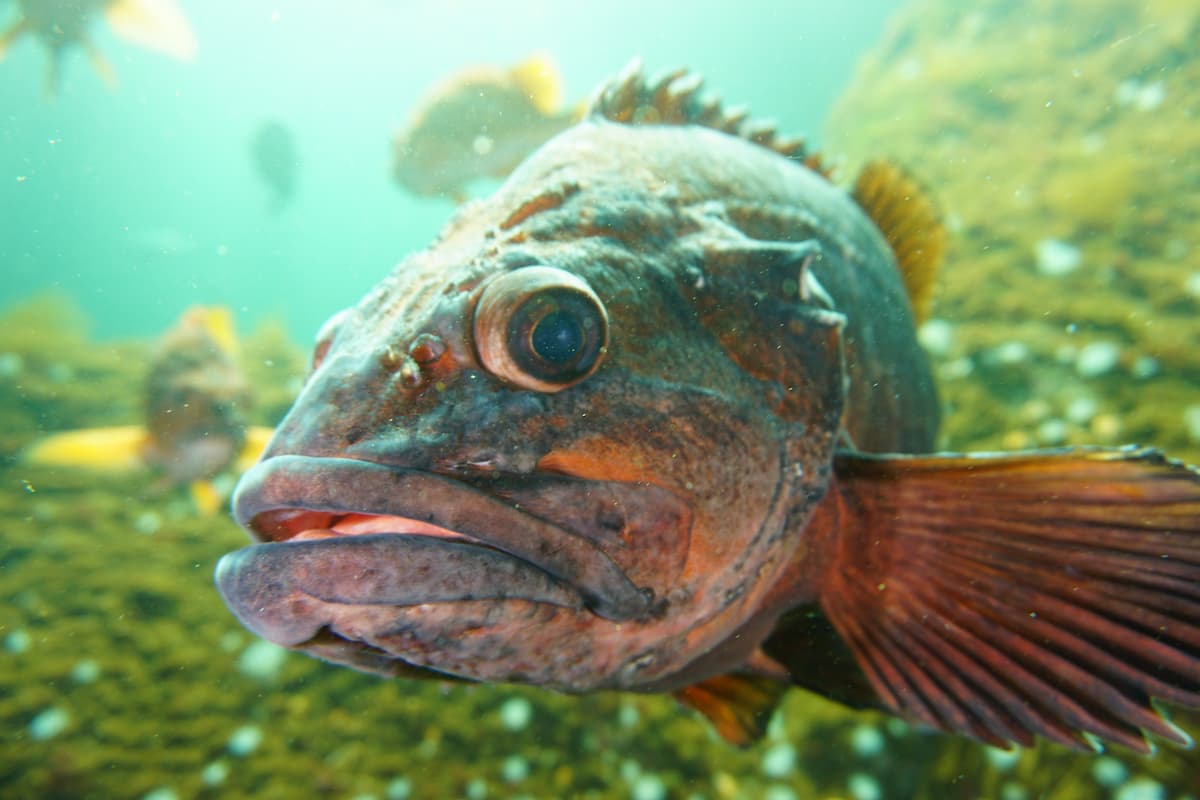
557	337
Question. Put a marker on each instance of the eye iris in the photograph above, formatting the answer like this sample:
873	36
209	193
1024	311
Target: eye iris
557	337
540	328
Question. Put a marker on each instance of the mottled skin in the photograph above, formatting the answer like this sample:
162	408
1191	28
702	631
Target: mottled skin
709	428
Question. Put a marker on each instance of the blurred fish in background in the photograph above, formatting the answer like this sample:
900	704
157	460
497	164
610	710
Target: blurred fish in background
194	432
158	25
276	161
478	123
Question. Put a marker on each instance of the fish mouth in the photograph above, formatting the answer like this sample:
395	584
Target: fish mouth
346	532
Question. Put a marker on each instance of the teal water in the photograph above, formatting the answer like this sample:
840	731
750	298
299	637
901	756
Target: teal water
141	201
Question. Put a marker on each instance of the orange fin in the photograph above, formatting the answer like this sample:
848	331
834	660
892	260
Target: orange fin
1048	593
109	449
910	223
738	705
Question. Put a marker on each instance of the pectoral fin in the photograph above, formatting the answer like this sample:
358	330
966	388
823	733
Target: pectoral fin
110	449
739	706
1005	597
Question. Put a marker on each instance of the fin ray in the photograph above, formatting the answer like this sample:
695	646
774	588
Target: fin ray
1008	596
910	223
738	705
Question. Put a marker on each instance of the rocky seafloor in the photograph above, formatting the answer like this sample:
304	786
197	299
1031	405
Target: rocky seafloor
1060	139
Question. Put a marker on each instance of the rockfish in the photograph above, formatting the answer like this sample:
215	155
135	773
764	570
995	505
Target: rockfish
653	417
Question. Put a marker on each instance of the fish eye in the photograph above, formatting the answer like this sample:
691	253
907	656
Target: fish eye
540	328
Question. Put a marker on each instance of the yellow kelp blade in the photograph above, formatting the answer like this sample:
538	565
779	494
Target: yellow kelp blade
102	65
257	437
206	497
110	449
11	35
217	322
539	78
156	24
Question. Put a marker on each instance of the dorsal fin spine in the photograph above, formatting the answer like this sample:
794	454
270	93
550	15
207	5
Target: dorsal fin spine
674	97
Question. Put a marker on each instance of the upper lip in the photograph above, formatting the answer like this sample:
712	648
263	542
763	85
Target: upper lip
288	495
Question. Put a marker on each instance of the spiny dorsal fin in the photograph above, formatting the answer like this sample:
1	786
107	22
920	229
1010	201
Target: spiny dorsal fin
674	98
909	222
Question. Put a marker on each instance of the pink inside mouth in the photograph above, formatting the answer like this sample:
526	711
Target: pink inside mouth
299	525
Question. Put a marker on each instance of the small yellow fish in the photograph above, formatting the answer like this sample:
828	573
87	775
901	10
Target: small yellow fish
155	24
479	123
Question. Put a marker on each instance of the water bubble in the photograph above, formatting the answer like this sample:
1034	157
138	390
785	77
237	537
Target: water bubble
516	713
864	787
18	641
398	789
1056	258
1013	791
779	761
11	365
1109	772
936	336
1097	359
867	741
1081	410
215	773
1140	789
245	740
86	671
262	660
515	769
49	723
1052	432
1144	367
147	523
648	787
778	791
1191	423
1003	760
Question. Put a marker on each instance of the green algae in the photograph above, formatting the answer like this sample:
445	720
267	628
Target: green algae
1025	128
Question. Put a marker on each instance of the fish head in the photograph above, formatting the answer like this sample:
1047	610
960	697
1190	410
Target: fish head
565	445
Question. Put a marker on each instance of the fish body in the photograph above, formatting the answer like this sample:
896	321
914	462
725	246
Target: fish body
62	24
194	427
276	160
613	430
479	123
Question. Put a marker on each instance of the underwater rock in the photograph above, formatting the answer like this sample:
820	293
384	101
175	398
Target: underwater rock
1037	135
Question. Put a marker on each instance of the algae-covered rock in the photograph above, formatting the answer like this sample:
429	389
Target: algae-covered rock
1060	140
